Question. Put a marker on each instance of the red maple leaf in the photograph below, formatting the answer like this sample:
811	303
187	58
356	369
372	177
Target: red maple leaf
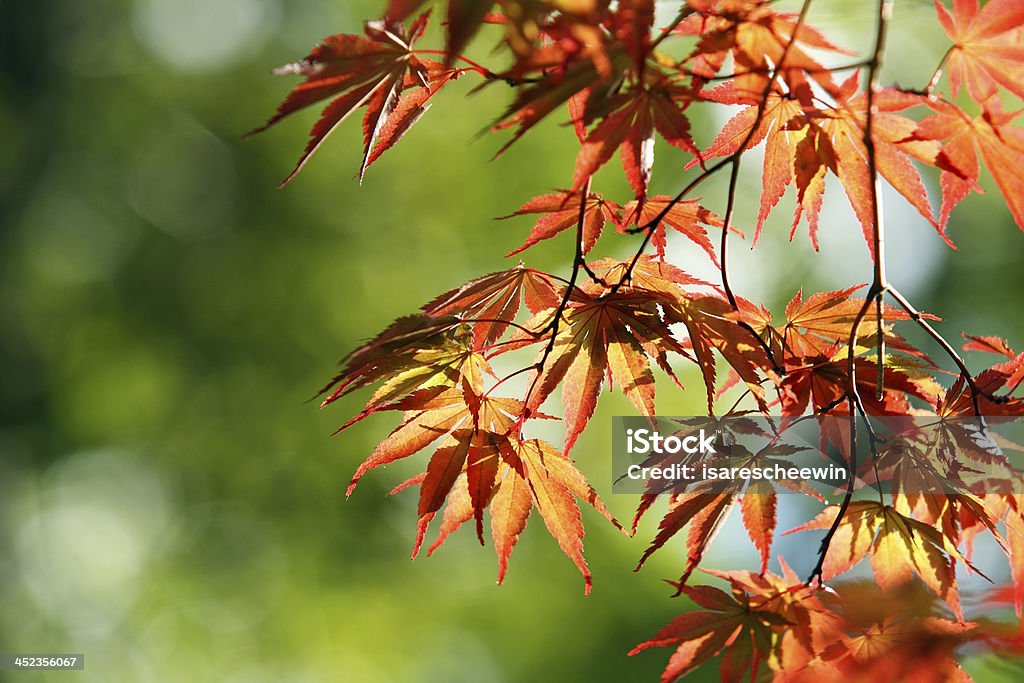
628	121
687	217
369	71
805	141
990	135
561	211
987	47
756	35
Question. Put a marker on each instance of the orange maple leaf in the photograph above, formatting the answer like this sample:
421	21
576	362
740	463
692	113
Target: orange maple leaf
987	46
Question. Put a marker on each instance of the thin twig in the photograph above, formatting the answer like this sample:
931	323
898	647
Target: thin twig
878	284
667	31
482	70
766	71
917	317
826	542
553	327
733	160
937	74
498	321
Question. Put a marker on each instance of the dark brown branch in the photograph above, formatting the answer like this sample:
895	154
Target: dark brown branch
733	160
594	277
767	71
667	31
510	323
873	441
916	316
506	378
880	317
578	264
826	542
650	227
878	284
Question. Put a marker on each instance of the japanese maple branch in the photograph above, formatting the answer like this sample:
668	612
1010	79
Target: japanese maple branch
732	160
668	30
649	228
734	175
826	542
878	284
917	317
578	264
498	321
937	74
767	71
738	154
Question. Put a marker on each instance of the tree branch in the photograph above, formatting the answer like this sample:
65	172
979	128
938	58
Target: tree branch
578	264
878	284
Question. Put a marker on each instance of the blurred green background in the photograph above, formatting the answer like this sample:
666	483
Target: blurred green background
170	504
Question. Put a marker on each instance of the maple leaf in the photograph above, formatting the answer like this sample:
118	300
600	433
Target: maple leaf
758	506
687	217
554	484
990	135
446	465
899	547
369	70
822	381
823	319
711	322
757	37
432	417
758	502
533	26
511	478
1000	379
414	352
987	50
412	105
475	443
612	334
561	78
713	325
814	340
996	345
744	624
704	512
803	143
491	302
1015	547
463	19
892	635
561	211
632	23
628	120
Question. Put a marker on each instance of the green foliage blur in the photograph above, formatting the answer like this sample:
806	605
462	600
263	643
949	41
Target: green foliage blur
171	503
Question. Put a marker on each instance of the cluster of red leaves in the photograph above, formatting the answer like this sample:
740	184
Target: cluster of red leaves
612	321
773	627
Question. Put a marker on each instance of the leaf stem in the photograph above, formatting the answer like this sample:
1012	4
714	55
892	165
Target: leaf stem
577	265
937	74
667	31
482	70
879	284
826	542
